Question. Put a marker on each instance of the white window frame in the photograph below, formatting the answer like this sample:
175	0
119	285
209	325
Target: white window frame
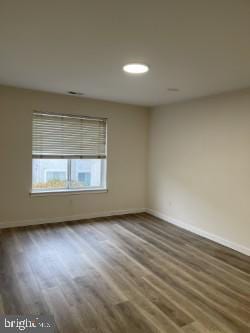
89	189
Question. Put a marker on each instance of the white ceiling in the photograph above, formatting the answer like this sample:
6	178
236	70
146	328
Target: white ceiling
201	47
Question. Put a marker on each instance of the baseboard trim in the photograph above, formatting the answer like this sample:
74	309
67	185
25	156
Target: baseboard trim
164	217
12	224
200	232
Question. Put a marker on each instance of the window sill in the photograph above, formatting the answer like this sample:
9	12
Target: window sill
67	192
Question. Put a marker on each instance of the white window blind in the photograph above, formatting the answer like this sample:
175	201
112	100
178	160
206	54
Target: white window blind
61	136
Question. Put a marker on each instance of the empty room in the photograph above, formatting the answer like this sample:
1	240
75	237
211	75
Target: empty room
125	166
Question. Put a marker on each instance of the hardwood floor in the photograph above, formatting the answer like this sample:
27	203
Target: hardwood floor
132	274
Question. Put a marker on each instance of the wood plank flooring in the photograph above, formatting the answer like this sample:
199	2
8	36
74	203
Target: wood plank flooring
131	274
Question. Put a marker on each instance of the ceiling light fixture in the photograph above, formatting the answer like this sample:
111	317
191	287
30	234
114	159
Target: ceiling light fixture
136	68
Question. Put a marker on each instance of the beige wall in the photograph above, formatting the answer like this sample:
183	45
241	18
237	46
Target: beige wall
127	157
199	166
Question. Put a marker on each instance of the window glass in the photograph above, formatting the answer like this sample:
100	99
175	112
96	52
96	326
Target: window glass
49	174
86	173
61	174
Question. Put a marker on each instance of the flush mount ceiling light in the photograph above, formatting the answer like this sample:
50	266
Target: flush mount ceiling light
136	68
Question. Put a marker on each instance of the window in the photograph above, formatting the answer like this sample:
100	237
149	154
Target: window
69	153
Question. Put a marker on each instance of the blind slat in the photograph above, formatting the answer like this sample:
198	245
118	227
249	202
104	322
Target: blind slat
63	136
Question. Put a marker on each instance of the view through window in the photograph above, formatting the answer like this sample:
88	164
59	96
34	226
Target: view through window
67	174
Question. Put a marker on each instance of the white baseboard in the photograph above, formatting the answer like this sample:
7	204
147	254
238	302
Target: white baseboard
12	224
200	232
164	217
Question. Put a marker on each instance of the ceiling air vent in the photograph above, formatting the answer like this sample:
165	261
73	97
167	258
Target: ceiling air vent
75	93
173	89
